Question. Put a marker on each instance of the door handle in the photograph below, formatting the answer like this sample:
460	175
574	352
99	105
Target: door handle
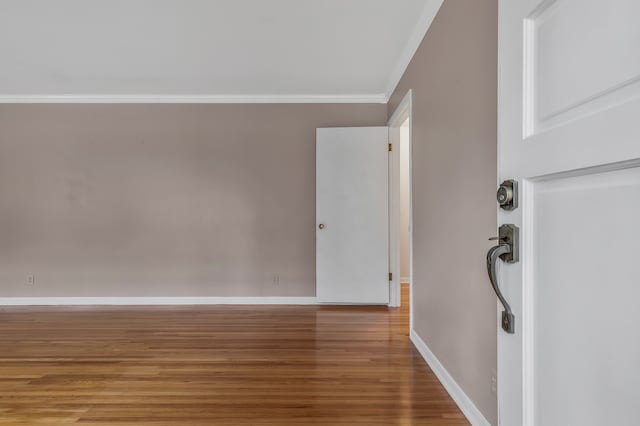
507	250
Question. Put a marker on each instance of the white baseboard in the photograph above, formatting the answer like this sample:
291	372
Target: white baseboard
465	404
32	301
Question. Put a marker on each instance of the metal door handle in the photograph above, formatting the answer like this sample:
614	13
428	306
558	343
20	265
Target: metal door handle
492	257
507	250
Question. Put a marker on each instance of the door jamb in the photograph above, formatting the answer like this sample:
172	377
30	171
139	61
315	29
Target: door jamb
402	112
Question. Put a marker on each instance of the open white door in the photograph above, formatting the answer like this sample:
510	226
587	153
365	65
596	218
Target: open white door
569	134
352	215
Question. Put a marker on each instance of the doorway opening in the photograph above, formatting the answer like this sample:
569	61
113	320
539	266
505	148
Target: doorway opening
400	217
404	229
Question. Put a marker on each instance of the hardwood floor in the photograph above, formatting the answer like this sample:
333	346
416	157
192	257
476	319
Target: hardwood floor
215	365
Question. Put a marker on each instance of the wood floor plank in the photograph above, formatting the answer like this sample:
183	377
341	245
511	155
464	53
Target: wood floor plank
216	365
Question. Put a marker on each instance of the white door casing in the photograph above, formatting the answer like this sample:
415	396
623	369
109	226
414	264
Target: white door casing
569	133
352	215
399	116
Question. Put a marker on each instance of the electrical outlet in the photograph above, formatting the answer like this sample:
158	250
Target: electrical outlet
276	279
494	382
31	279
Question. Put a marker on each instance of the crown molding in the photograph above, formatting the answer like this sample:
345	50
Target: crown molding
194	99
429	12
420	30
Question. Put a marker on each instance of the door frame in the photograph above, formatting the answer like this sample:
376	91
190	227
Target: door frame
403	111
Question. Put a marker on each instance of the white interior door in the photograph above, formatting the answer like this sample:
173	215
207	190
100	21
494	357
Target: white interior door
352	215
569	133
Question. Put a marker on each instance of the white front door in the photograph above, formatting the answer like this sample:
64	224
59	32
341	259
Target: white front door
352	215
569	134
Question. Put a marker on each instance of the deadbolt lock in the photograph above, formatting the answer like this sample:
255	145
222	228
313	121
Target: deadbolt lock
507	195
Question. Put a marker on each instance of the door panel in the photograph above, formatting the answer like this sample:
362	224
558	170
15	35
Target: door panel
578	60
569	104
586	333
352	207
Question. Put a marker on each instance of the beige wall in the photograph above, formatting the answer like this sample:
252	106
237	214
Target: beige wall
453	76
162	200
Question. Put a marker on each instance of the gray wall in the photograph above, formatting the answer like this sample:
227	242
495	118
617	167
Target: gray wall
162	200
453	76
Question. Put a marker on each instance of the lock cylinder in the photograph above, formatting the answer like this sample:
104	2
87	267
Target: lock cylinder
507	195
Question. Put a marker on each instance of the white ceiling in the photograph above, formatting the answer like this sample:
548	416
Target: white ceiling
212	50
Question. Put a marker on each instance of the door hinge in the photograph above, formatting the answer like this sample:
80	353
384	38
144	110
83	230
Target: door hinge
390	148
390	276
